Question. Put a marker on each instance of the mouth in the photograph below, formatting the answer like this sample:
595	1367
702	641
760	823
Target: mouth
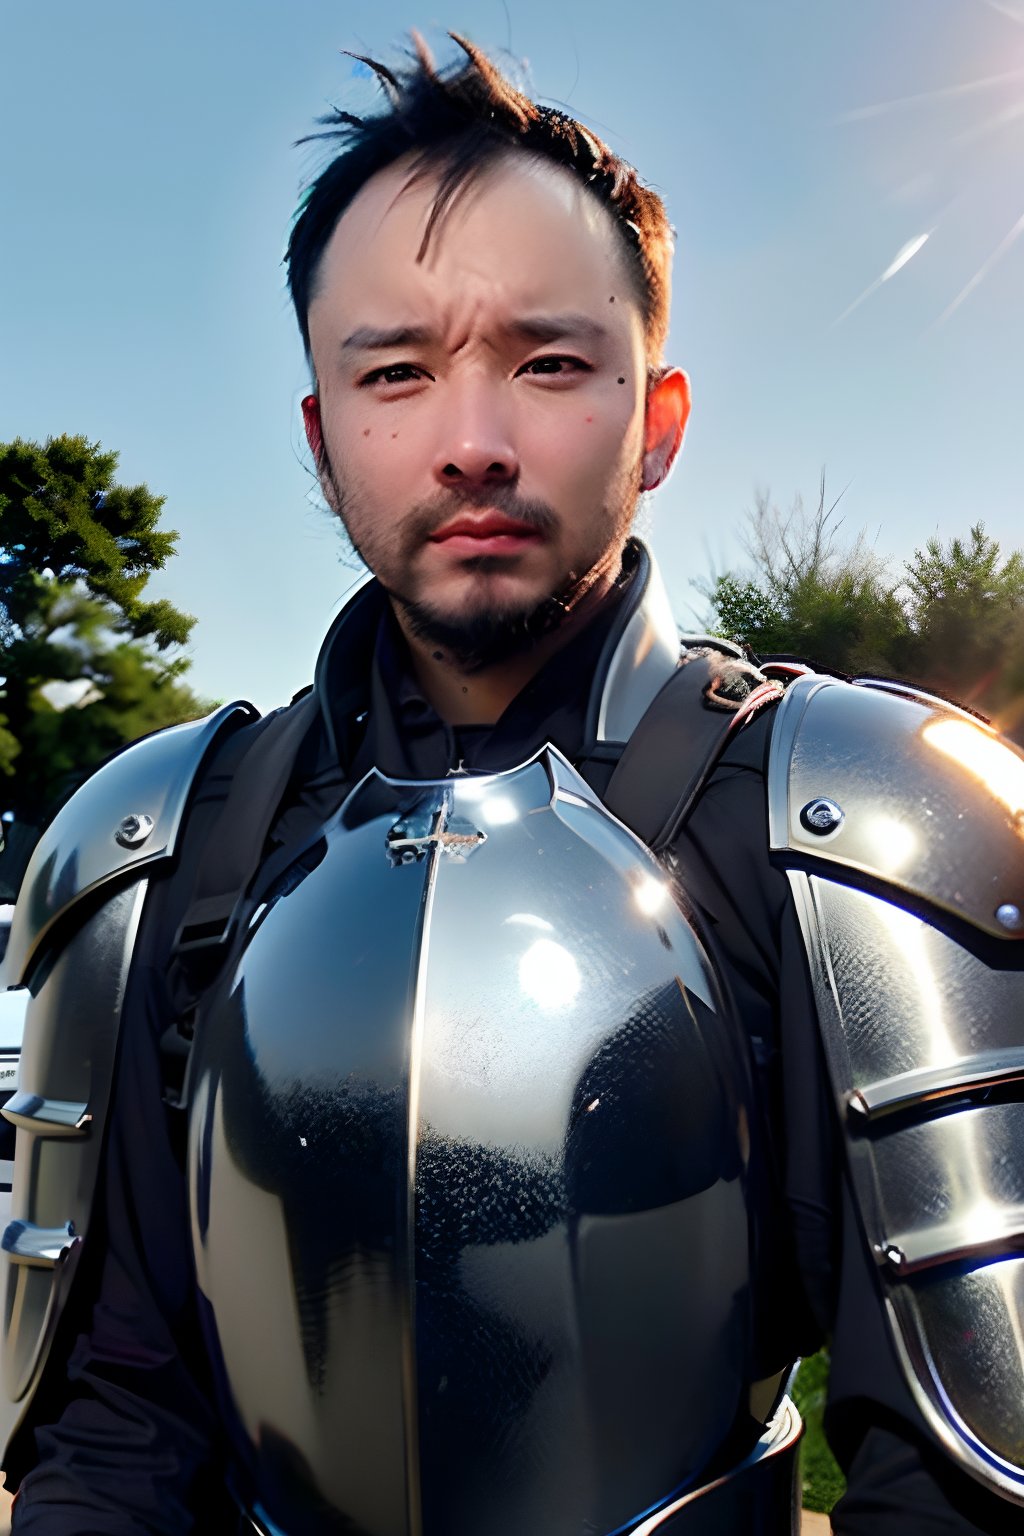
485	533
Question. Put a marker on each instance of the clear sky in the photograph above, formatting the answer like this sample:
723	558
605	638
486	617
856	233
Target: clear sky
147	179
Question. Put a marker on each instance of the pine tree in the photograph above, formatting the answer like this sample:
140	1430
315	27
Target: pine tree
87	662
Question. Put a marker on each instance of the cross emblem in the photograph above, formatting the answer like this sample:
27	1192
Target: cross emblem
413	835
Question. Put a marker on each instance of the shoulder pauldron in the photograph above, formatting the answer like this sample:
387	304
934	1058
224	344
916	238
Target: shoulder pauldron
71	945
901	819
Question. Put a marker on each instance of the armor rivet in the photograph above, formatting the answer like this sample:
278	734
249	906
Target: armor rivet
821	816
1009	915
133	830
894	1255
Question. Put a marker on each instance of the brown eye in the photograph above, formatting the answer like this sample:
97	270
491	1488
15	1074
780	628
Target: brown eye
395	373
555	364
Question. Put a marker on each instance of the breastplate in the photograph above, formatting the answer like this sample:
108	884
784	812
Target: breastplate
467	1171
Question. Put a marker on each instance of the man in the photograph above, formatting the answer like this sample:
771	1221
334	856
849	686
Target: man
481	1229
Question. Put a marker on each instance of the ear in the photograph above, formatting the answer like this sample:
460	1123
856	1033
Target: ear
314	431
668	410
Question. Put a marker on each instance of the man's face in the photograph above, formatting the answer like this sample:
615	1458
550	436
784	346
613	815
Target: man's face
482	409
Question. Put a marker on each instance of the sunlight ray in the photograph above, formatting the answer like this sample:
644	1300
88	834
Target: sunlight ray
944	92
1012	8
986	267
907	253
991	124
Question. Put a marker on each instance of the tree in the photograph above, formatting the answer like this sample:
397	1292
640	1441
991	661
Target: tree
88	664
809	596
953	622
965	604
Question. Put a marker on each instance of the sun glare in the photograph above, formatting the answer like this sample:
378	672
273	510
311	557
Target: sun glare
976	126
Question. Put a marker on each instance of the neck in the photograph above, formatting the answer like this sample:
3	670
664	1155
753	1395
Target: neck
481	696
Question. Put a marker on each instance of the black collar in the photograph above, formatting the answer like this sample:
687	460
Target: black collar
375	714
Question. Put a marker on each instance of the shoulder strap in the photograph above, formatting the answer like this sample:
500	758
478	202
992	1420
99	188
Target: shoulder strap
680	739
236	842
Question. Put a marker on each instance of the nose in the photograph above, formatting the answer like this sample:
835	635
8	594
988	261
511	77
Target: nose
476	445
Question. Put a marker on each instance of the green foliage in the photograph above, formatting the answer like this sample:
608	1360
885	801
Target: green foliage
87	662
743	609
953	620
61	511
822	1483
9	747
966	610
808	598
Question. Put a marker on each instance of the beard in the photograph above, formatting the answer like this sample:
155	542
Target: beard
494	632
477	641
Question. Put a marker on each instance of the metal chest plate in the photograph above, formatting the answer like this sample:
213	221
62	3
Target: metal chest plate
467	1173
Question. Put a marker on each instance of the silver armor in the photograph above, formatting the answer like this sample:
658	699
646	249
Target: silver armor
579	1245
468	1173
902	821
69	955
899	820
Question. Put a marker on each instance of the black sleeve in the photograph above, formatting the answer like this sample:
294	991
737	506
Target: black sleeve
743	905
130	1443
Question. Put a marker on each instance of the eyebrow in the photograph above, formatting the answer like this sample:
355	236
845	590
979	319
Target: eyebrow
368	338
554	327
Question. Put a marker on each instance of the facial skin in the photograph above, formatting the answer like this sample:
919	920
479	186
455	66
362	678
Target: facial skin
485	420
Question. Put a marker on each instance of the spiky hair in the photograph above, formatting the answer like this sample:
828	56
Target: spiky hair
456	122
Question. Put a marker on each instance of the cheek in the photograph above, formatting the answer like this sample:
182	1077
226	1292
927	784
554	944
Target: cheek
373	447
594	443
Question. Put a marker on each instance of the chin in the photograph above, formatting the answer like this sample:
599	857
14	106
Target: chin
489	585
484	630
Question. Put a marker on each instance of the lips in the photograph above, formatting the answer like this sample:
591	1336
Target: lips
486	525
485	533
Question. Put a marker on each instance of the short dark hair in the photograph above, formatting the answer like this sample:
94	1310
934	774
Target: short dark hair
460	120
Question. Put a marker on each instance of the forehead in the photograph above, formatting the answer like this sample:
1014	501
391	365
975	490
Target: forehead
521	233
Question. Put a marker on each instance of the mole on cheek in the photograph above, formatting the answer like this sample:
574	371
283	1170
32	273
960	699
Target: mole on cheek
366	431
622	381
612	299
394	435
588	418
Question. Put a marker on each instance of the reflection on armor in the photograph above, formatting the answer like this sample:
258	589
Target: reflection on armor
930	799
924	1029
468	1092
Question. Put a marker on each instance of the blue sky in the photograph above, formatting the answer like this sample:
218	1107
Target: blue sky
147	178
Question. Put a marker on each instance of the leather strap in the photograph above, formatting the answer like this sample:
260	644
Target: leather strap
680	739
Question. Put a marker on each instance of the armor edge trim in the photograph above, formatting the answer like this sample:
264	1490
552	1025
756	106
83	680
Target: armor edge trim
644	657
781	1435
414	1502
956	1437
